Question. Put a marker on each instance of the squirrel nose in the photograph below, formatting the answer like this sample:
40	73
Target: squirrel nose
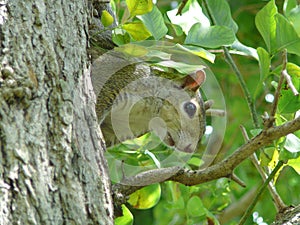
188	149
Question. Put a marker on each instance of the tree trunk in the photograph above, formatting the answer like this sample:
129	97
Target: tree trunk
51	158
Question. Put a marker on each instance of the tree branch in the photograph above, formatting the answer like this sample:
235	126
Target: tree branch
222	169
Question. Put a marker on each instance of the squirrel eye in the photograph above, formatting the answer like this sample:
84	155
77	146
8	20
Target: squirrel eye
190	108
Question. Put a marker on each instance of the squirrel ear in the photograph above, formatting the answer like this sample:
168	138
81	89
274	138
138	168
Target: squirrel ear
194	80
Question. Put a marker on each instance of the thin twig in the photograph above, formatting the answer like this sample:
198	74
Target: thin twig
259	193
244	87
237	180
275	196
183	3
290	82
270	120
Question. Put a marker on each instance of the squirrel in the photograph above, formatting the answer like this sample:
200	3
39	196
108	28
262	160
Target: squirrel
134	99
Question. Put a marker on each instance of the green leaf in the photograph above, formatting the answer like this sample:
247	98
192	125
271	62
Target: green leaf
264	63
146	197
154	22
126	219
195	162
106	18
266	24
139	7
179	203
255	132
266	156
288	5
182	68
295	164
294	71
190	17
195	207
137	30
286	35
287	155
294	18
221	13
288	102
210	37
243	49
174	29
199	52
120	37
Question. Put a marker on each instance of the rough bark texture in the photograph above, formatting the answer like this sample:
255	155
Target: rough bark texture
290	216
52	169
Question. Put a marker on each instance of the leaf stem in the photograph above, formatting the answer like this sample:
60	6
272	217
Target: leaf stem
242	82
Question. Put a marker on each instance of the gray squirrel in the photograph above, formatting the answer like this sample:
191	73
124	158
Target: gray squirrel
134	98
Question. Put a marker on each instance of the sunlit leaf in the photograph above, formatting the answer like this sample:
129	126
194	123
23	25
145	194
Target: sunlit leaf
273	162
132	50
106	18
199	52
195	162
137	30
126	219
288	5
295	164
221	13
294	71
294	18
291	148
266	156
139	7
286	36
190	17
154	22
288	102
264	62
264	68
210	37
292	143
146	197
266	24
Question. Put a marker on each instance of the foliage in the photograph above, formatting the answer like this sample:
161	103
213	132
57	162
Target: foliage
205	29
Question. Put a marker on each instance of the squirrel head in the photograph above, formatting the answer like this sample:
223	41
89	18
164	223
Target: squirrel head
187	125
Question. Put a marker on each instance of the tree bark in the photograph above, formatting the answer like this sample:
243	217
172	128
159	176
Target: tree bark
51	151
